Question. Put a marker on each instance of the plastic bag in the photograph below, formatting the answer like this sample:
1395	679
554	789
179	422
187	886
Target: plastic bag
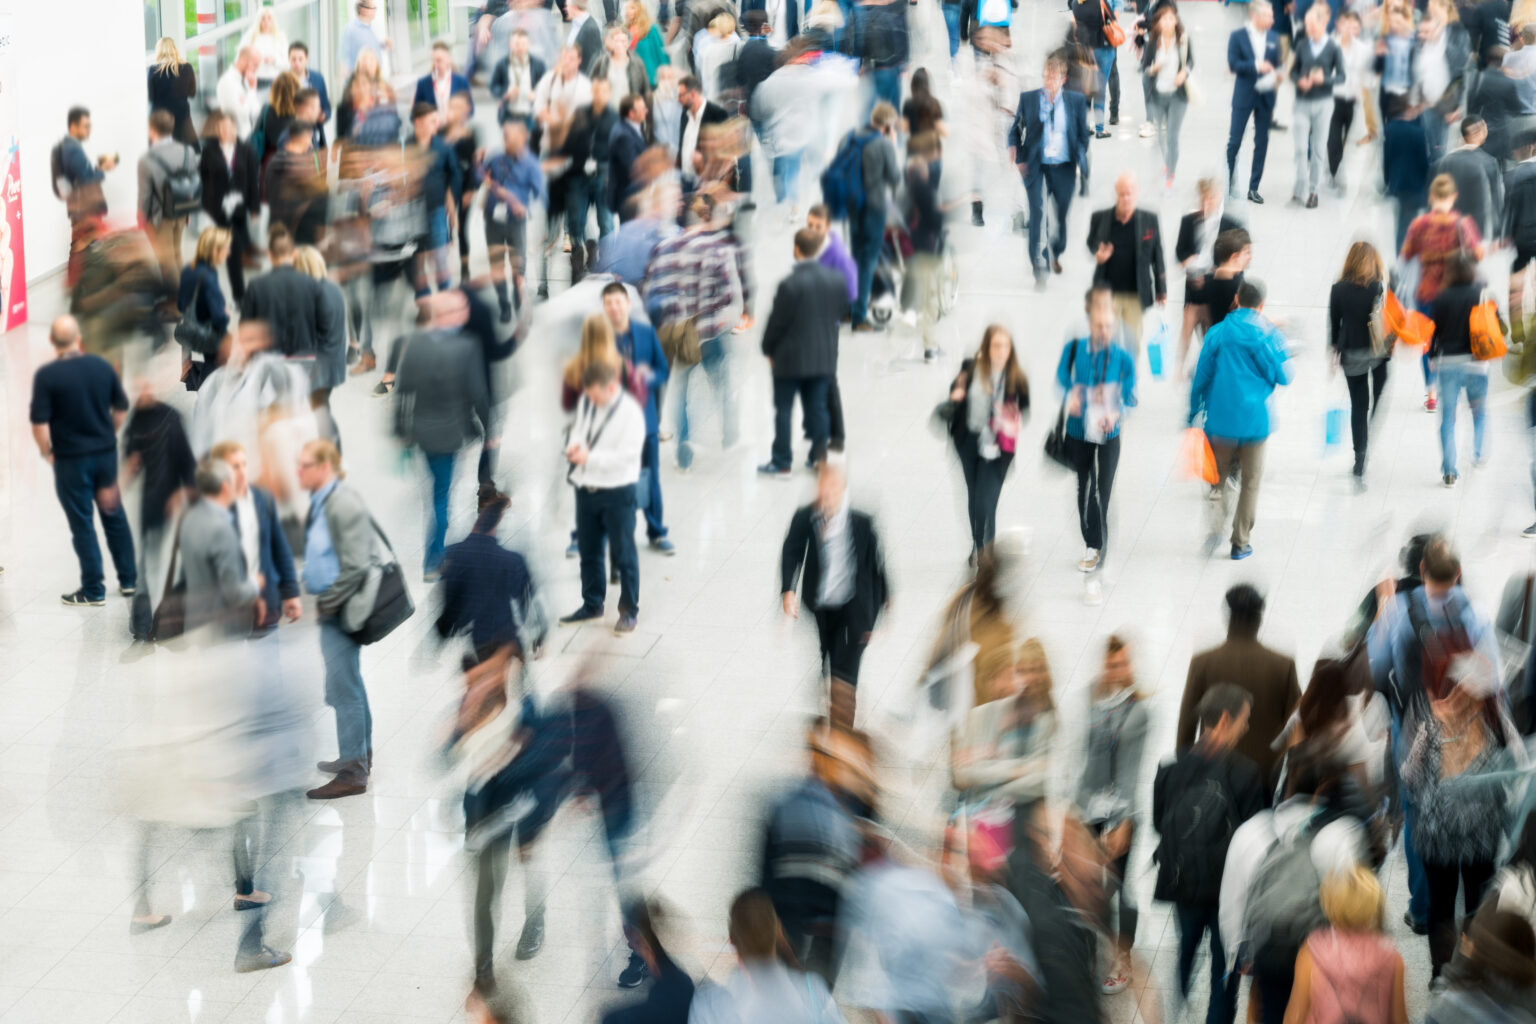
1196	460
1157	336
1333	426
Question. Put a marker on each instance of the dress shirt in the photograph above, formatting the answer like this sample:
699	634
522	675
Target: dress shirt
837	568
239	101
1430	69
520	175
243	512
1053	116
442	88
322	565
520	77
614	435
355	38
1259	40
690	141
1359	59
564	96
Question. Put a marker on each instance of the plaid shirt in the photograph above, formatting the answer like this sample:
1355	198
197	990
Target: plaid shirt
695	275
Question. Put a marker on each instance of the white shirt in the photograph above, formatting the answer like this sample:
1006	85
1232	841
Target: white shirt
690	141
442	88
1260	41
1167	67
564	96
520	77
239	101
250	534
614	436
1359	60
837	566
1430	69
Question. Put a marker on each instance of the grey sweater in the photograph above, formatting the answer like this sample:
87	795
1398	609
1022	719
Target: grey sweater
1117	733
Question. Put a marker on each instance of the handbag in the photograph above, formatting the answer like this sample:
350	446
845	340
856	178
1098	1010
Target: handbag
1114	35
194	334
1056	448
1486	330
680	342
1381	337
392	604
170	618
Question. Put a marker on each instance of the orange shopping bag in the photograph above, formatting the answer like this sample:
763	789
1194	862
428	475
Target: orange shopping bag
1410	326
1196	460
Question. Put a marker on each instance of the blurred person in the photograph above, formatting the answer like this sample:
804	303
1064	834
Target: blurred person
361	35
1195	249
800	341
1128	246
338	564
1512	891
78	406
77	181
360	97
1001	754
606	442
1518	226
276	115
231	191
263	542
116	294
1433	238
645	39
584	182
463	140
1098	374
1441	54
329	369
881	176
1254	56
488	591
1405	170
844	584
439	186
1350	970
1107	790
697	111
989	398
1496	99
716	56
155	446
981	613
1352	305
627	76
289	301
223	598
1198	801
670	997
1089	18
514	79
1455	366
269	42
626	143
1317	69
779	105
562	91
172	84
239	96
834	254
762	988
638	346
1500	950
295	186
442	404
925	267
1232	256
309	78
667	111
584	34
513	181
1166	63
441	83
1234	395
1267	676
756	61
1354	91
1048	143
1513	622
198	291
158	216
1478	178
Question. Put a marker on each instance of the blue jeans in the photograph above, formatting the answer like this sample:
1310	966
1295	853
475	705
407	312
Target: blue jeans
607	513
1194	920
598	195
1454	377
866	229
649	492
1104	57
813	408
1418	882
440	466
952	26
786	177
717	369
79	482
578	196
345	694
887	84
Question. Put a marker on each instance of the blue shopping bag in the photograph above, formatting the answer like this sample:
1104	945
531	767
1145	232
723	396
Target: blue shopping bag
1333	427
1156	338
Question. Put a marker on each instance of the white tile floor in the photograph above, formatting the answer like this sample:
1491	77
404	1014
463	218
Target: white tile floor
373	890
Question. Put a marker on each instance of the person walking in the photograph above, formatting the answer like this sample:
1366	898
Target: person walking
800	341
172	84
1354	91
763	989
640	349
263	543
1198	801
1166	63
1242	362
1195	249
1253	55
198	290
223	599
1353	306
1098	374
1089	17
1455	366
989	398
1317	69
1128	246
866	226
165	158
328	370
78	406
231	191
361	35
339	543
513	182
1518	226
1048	143
1350	967
309	78
844	583
1478	178
1433	238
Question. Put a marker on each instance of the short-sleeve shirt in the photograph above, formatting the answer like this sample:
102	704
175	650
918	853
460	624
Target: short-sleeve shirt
75	397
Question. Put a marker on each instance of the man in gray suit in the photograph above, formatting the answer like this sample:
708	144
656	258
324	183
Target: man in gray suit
221	595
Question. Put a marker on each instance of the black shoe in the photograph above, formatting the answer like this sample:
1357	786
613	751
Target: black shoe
485	978
582	614
543	292
770	469
265	960
1114	118
1100	133
625	625
1255	198
1417	927
79	600
1276	126
1055	265
635	974
532	939
506	314
976	220
1312	201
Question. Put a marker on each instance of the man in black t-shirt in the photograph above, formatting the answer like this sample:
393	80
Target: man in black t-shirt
1128	246
78	405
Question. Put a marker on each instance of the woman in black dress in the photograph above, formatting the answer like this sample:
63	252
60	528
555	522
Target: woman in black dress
172	84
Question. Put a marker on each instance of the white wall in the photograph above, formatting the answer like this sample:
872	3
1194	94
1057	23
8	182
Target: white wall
70	52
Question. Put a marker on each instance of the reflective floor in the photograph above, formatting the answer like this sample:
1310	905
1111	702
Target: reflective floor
371	892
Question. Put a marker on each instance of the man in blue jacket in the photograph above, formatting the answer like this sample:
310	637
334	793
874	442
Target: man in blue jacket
442	82
638	344
1049	144
268	558
1242	362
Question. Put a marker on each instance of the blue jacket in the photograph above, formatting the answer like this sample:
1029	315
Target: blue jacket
1028	132
276	558
1242	362
641	347
1111	365
317	83
488	593
210	301
457	83
442	175
1243	63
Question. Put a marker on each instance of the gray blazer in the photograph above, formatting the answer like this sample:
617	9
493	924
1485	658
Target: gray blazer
1479	186
353	537
441	401
220	592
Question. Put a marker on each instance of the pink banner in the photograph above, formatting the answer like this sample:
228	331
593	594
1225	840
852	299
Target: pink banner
13	263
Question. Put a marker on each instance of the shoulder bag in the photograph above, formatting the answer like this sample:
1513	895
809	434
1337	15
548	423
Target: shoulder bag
1056	449
170	617
1114	35
195	334
392	604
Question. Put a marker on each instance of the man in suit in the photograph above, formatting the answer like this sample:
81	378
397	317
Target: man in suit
844	586
582	32
263	544
1496	99
1253	55
222	596
441	82
1048	142
514	79
1479	182
1268	676
641	350
1128	246
289	301
697	112
625	145
800	341
231	189
298	63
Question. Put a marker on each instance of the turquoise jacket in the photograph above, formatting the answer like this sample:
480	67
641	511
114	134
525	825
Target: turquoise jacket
1242	362
1112	365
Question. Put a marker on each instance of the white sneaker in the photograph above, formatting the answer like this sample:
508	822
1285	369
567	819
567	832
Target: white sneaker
1089	561
1146	131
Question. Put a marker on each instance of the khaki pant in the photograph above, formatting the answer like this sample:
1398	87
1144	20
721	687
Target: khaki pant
165	240
1234	460
1128	309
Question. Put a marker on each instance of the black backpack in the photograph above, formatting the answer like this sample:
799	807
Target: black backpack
56	169
181	194
1196	831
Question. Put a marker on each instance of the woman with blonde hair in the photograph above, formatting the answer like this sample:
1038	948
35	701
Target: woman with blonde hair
597	345
329	369
716	49
1353	318
1349	972
199	293
172	84
270	44
645	39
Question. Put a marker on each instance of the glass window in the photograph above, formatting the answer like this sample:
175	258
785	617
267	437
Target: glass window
151	25
417	26
207	15
437	19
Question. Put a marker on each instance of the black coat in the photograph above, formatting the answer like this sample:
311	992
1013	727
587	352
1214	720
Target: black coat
755	61
589	40
289	301
219	180
173	94
713	113
871	591
625	145
1180	780
1151	279
1188	242
1497	101
800	336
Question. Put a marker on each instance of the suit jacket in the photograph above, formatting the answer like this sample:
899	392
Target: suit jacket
220	179
276	558
1479	186
713	113
1243	63
755	61
501	79
802	549
457	83
625	145
640	347
289	301
589	40
801	334
1188	242
352	593
1270	677
220	593
1028	132
1496	99
1151	280
488	593
441	401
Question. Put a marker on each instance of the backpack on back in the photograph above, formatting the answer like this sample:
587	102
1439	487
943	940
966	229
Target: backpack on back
842	183
1192	850
181	193
1284	906
56	170
1438	648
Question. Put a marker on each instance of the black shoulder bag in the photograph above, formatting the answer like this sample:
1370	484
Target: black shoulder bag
1056	449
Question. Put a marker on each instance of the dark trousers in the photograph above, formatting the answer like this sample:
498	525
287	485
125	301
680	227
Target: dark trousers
1194	920
607	512
842	644
813	408
811	940
1058	179
1095	464
1245	104
86	484
1364	399
1338	130
239	245
491	864
650	498
866	231
983	487
837	430
1443	881
1274	992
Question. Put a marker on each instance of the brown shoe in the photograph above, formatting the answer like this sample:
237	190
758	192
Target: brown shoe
337	767
347	784
365	364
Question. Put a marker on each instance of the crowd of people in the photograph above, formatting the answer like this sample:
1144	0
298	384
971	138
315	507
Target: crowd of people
621	143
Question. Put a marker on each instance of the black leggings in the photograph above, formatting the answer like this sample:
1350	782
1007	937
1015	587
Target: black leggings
1338	130
1364	399
983	487
1096	464
1443	880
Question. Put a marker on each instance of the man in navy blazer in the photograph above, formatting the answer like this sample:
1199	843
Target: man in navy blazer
298	63
625	144
1050	154
638	344
255	513
442	82
1253	54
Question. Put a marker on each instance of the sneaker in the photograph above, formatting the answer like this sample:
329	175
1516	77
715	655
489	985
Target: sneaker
1529	533
1116	982
430	576
532	938
663	546
383	388
580	615
769	469
265	960
635	974
79	600
1448	481
574	551
1430	405
1089	561
930	355
625	625
1100	133
127	591
1146	131
1241	551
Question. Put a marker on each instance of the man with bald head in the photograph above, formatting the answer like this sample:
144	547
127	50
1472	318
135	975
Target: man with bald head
78	406
1128	245
238	94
